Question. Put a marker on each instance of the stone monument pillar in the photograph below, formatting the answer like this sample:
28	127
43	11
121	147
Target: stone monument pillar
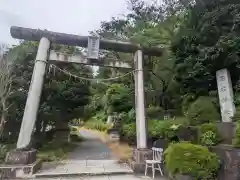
141	153
225	94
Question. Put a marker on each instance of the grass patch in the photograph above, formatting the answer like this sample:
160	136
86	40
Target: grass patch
55	151
4	149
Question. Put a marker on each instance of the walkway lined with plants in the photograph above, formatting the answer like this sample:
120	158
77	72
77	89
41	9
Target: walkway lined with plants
90	157
91	148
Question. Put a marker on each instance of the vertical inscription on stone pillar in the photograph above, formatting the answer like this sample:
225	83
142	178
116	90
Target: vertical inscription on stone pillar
225	94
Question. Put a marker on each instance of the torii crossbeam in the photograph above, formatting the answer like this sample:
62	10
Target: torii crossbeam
46	38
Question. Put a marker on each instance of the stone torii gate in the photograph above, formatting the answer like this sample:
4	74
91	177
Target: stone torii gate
44	55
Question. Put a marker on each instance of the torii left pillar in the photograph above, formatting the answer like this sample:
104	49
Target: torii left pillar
24	154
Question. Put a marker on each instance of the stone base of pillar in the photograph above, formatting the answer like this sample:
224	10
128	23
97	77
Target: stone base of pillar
138	159
21	157
20	164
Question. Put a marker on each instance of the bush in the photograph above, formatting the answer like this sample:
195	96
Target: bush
52	151
156	128
160	129
208	138
128	117
3	152
237	114
132	115
208	134
202	111
100	116
236	139
97	125
155	112
128	132
190	159
187	100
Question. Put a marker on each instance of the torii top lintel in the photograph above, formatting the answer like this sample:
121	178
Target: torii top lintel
75	40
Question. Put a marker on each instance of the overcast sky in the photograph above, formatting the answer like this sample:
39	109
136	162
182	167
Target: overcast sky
67	16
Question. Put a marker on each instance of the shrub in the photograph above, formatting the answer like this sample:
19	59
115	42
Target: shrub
236	139
156	128
52	151
132	115
128	117
208	134
187	100
128	131
155	112
3	152
208	138
237	114
190	159
97	125
161	129
202	111
100	116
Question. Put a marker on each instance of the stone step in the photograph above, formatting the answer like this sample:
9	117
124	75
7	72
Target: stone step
85	168
19	171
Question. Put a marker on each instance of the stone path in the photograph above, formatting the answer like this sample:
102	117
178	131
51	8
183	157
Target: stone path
91	149
91	157
110	177
91	160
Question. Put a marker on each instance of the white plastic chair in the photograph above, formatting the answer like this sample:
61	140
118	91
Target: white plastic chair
157	160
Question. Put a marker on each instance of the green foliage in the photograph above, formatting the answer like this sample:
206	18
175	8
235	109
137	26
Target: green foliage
52	151
128	131
156	128
206	43
237	114
208	138
100	117
97	125
63	97
202	111
190	159
118	98
128	117
188	99
208	134
236	139
159	129
3	152
154	112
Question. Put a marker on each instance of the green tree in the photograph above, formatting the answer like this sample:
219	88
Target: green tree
208	41
63	96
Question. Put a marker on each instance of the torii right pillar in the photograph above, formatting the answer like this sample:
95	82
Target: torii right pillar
141	153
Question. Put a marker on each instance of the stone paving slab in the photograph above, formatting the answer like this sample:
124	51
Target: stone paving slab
86	167
90	149
109	177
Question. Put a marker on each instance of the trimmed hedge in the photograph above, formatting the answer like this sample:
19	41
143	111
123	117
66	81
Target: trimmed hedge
208	134
202	111
190	159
